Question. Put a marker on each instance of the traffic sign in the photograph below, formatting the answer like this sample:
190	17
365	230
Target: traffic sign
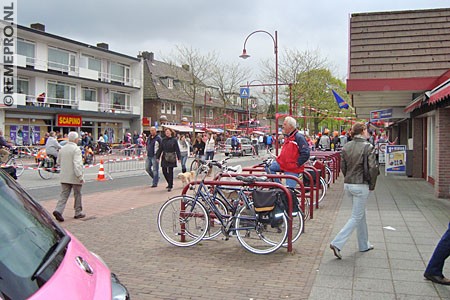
244	93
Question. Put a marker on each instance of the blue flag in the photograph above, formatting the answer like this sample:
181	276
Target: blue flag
340	102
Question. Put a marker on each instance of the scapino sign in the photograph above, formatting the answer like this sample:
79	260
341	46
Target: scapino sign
68	121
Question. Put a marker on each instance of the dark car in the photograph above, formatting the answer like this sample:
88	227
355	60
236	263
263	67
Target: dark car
41	260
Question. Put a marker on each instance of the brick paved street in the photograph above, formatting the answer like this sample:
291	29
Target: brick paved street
121	227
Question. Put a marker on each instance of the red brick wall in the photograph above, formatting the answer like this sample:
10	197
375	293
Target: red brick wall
442	180
418	147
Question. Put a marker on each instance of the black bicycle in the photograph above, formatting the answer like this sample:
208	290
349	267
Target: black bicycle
15	161
186	220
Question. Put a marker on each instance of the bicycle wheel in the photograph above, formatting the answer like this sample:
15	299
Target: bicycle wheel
297	226
257	237
323	189
183	227
195	165
215	226
44	172
17	164
305	212
328	175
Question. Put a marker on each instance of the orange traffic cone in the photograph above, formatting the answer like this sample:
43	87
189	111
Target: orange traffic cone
101	172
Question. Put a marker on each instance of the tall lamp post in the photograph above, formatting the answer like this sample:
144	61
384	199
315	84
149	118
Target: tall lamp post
244	55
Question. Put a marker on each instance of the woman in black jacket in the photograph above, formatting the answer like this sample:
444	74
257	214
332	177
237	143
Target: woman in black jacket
170	154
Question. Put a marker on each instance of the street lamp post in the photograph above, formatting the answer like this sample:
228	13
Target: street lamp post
244	55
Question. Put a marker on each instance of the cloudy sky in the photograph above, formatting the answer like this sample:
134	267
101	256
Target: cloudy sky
209	25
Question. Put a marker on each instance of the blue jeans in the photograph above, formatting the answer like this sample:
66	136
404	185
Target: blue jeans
359	193
209	155
183	163
440	254
275	167
152	169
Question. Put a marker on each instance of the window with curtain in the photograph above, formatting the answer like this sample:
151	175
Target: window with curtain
89	94
117	72
187	111
27	49
61	60
120	100
22	85
94	64
61	93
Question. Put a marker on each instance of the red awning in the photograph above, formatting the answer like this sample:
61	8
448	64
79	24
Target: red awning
416	103
440	94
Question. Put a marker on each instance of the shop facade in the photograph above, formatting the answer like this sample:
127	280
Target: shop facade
400	60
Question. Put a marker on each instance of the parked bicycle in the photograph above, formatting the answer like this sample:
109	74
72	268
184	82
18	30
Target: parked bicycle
15	161
186	220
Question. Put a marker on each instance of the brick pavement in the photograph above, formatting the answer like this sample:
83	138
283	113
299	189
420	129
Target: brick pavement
121	227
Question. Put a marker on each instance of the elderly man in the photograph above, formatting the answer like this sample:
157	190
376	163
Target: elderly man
71	176
294	154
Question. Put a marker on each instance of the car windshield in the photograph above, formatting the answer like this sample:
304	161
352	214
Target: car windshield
26	236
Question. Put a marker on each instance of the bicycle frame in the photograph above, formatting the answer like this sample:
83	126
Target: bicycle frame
225	220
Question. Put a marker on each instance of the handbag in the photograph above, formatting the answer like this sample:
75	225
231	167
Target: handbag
170	157
366	173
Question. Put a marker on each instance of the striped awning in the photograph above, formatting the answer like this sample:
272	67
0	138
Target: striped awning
440	93
416	103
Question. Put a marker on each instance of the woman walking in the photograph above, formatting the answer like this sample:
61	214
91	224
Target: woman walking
360	170
184	146
199	147
209	146
170	153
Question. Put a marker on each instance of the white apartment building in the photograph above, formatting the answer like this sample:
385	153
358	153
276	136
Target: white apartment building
65	85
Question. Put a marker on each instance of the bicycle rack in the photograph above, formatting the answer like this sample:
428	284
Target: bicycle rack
313	190
256	184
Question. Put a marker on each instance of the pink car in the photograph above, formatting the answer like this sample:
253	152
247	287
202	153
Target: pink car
40	260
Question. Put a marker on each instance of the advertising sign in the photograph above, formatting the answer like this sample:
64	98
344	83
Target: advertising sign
382	153
395	159
68	121
377	115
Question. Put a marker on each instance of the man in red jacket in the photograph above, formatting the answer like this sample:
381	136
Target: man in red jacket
294	154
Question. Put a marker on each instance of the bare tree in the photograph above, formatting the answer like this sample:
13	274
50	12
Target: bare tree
227	78
200	68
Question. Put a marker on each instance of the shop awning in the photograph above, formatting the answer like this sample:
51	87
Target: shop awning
416	103
181	128
215	130
440	93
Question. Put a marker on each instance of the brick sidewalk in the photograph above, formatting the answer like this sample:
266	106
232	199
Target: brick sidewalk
121	227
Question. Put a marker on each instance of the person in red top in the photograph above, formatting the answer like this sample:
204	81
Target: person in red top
293	155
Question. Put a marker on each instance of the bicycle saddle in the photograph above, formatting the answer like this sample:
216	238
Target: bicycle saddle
233	169
251	179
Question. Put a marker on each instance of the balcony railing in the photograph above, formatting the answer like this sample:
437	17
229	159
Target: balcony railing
78	104
38	64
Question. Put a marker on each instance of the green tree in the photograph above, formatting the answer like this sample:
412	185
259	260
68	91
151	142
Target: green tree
314	87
